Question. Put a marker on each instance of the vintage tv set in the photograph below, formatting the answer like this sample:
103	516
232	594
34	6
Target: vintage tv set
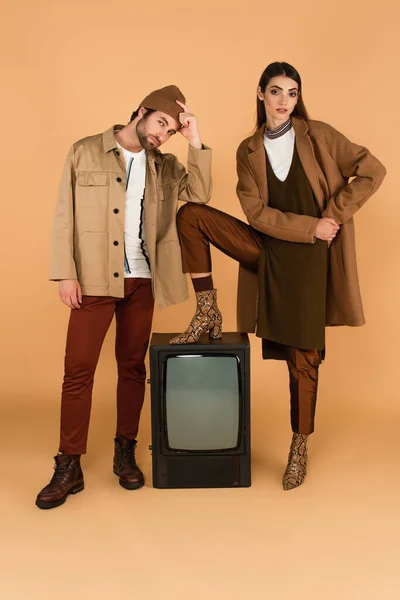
200	411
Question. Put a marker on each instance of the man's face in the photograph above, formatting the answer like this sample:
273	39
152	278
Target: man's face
155	129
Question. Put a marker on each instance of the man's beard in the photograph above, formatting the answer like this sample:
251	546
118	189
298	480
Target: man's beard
141	133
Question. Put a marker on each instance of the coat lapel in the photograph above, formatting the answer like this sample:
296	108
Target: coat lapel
258	162
306	154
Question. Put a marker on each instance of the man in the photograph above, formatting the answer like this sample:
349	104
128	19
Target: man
115	249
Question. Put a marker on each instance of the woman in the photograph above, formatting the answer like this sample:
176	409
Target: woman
297	259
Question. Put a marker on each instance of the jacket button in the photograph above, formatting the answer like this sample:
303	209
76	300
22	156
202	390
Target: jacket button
119	179
116	210
115	243
116	274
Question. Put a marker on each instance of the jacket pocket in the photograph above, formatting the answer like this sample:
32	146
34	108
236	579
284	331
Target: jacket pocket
92	259
91	191
163	191
91	178
91	201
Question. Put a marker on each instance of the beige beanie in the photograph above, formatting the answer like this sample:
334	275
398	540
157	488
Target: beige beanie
164	101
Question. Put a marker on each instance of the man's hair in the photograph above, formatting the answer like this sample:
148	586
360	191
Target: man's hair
135	114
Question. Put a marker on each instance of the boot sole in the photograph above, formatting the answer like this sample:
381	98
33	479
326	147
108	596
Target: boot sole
46	505
128	486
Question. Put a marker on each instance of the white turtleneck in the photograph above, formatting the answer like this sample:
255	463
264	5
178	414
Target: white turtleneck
280	153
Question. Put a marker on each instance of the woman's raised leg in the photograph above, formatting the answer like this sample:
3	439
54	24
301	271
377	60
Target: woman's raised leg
199	226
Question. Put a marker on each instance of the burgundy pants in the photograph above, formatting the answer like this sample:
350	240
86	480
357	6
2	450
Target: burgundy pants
86	332
200	225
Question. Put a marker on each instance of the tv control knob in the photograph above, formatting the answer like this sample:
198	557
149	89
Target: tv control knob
150	447
149	381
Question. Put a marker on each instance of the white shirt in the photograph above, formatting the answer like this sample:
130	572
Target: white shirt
280	153
135	241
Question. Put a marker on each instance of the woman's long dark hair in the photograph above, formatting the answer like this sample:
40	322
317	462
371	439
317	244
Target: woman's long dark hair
273	70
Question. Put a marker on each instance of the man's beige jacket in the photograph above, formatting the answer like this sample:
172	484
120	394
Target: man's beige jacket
87	241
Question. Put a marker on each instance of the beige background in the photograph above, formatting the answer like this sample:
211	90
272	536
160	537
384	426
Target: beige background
72	69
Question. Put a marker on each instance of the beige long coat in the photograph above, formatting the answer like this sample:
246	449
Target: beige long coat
90	215
329	160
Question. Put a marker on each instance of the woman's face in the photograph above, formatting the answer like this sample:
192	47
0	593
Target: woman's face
280	97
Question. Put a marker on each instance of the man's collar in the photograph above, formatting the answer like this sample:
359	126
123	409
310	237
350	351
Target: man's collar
109	141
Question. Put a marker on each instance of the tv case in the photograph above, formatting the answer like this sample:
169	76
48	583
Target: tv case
200	468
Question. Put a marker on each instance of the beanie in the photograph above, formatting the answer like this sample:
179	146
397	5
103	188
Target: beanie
164	101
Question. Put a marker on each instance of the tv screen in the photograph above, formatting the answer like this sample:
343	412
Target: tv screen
202	402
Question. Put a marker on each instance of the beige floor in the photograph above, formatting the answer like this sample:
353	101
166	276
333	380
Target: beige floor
335	537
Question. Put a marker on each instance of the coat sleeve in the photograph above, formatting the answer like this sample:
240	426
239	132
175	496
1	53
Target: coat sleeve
282	225
195	185
352	161
62	263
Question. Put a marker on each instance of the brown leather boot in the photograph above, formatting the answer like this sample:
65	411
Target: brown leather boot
206	318
130	476
67	479
296	469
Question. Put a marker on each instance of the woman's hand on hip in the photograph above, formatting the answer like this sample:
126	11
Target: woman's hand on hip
327	229
70	293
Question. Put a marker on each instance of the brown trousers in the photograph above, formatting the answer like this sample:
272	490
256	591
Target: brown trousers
200	225
86	332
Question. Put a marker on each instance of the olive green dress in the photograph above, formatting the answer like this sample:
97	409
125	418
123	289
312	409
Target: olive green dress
292	276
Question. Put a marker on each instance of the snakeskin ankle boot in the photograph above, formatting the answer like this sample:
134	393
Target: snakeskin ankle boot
206	318
297	463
